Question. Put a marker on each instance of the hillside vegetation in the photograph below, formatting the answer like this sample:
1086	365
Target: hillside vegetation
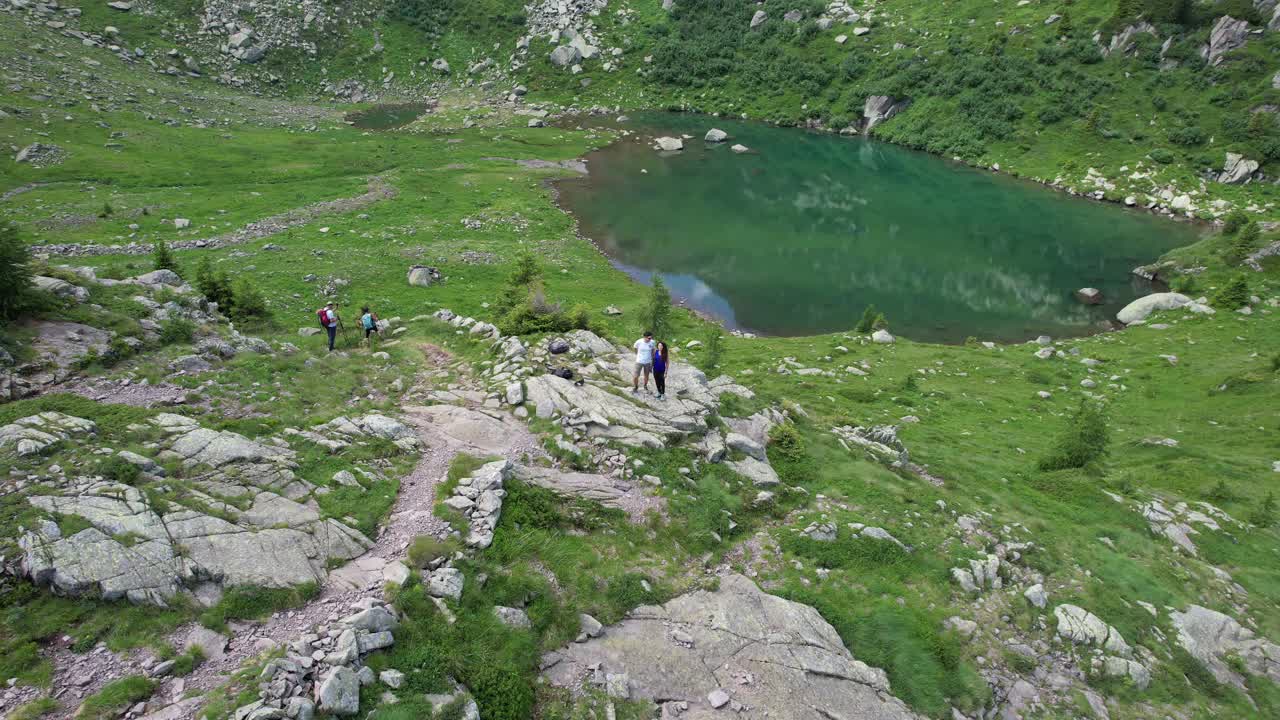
1081	528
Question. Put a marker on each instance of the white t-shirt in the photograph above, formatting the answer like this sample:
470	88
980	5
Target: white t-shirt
644	351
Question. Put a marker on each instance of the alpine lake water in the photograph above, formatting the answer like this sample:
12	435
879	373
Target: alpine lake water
801	233
387	117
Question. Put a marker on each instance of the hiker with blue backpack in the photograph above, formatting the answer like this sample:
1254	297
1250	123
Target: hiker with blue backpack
369	321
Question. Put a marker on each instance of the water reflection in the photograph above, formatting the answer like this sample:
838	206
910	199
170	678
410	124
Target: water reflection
800	235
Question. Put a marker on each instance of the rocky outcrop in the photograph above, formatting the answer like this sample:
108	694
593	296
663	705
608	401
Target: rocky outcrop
322	669
339	433
879	108
1227	35
243	505
479	499
1237	169
1125	41
36	433
150	554
1213	638
705	650
611	492
1082	627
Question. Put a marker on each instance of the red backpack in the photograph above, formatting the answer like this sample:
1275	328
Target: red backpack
323	314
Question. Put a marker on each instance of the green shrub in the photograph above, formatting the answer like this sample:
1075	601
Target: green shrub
114	697
712	347
117	469
162	258
1185	284
1220	493
519	283
1232	295
1083	441
655	316
1189	135
35	709
215	286
248	602
1243	244
502	692
248	302
580	317
15	272
1265	515
426	549
175	331
106	211
872	319
1233	221
1162	156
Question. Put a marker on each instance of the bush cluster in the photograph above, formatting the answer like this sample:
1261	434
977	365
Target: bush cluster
1082	442
240	300
523	308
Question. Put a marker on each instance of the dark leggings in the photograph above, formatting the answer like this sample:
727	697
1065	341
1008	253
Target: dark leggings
660	380
333	334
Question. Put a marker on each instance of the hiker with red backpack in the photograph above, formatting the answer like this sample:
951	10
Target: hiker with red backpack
329	320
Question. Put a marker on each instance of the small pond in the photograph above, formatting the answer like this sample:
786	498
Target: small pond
801	233
387	117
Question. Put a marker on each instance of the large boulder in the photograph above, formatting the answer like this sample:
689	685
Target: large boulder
611	492
799	667
1237	169
60	288
1227	35
565	55
423	276
1084	628
879	108
1212	638
1139	309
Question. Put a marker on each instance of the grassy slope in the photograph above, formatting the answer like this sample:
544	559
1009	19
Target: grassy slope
982	427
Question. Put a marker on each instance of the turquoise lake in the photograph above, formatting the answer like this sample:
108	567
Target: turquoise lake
800	234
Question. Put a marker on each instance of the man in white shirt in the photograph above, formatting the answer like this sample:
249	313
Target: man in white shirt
644	361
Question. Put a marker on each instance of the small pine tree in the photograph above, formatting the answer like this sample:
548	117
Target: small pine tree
1234	220
163	258
1265	515
215	286
872	319
1093	120
516	291
656	315
107	211
713	346
15	272
1083	441
248	302
1243	244
1234	294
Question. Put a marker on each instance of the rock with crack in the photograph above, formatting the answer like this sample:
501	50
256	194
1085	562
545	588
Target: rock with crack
1084	628
1177	522
1213	638
599	412
479	499
472	428
150	554
339	433
799	666
611	492
231	455
36	433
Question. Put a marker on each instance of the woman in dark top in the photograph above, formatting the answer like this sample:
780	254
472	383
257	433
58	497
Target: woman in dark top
660	369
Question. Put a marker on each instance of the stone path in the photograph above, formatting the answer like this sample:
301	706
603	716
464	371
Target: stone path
379	189
79	675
